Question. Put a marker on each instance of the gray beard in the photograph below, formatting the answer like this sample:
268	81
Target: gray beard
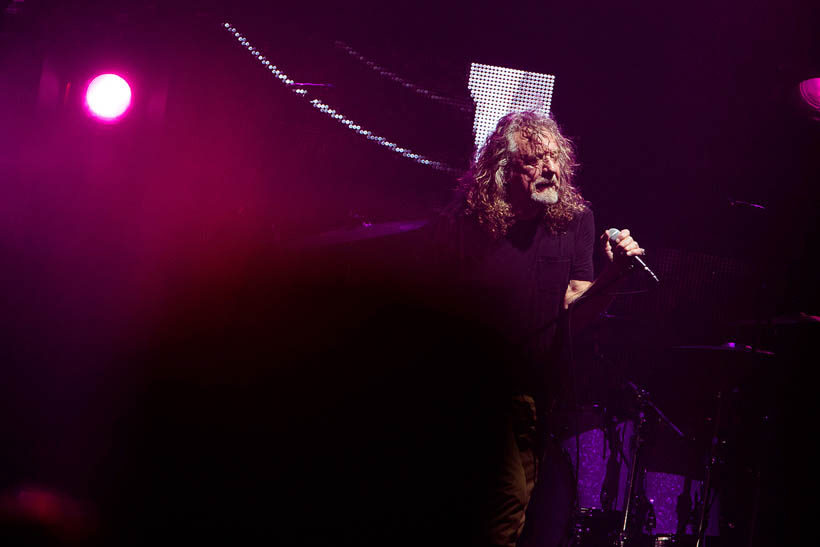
548	197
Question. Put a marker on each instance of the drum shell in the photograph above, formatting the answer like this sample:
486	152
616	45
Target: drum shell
666	492
600	466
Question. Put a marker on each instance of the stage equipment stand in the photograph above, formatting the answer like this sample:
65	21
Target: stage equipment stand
631	525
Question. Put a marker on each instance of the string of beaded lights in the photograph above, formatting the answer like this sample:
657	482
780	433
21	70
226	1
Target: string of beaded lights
464	106
322	107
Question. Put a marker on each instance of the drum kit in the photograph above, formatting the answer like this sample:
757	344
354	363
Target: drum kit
625	494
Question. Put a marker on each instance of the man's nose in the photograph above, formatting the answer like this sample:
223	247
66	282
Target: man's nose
547	168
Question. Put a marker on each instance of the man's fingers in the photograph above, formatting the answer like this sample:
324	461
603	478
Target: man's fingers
627	243
623	235
624	245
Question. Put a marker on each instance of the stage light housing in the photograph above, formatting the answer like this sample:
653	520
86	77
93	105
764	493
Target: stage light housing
810	94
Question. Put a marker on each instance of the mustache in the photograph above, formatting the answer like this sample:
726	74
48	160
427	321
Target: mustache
542	181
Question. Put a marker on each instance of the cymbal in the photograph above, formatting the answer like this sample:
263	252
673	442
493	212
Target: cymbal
728	347
362	231
609	317
799	318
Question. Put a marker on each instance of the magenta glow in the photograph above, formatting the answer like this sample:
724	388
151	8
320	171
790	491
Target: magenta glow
810	91
108	97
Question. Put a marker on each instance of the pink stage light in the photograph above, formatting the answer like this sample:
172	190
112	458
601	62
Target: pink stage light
810	92
108	97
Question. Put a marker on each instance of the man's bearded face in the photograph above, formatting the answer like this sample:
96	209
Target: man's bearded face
535	172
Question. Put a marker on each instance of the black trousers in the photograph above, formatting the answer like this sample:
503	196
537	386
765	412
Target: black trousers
514	473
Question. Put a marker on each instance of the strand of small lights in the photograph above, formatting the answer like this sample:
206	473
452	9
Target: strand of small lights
322	107
407	153
461	105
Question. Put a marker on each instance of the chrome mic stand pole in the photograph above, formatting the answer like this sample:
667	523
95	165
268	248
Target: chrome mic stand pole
623	535
644	402
707	480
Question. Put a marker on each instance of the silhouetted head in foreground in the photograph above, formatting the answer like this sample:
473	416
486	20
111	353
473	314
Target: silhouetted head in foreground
307	404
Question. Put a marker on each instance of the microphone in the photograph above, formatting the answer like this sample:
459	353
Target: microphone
636	260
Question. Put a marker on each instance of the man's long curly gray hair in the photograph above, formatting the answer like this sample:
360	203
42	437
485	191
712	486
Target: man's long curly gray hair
485	184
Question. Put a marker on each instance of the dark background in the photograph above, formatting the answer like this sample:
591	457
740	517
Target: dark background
677	110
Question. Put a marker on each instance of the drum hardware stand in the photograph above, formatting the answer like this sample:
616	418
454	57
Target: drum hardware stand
644	402
637	444
615	443
705	502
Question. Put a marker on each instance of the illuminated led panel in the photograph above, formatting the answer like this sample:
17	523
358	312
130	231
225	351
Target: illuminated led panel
497	91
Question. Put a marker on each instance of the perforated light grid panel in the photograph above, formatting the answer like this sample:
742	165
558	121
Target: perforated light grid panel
497	91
